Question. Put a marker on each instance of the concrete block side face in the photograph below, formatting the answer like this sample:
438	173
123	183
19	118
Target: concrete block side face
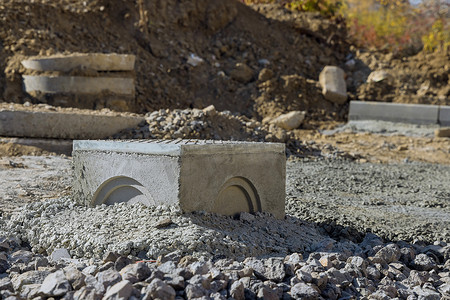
108	178
78	84
444	115
394	112
232	183
63	125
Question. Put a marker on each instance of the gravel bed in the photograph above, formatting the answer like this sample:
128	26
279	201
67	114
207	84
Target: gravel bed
323	249
408	201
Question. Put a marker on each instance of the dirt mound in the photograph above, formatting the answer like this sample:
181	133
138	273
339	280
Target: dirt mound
188	53
423	78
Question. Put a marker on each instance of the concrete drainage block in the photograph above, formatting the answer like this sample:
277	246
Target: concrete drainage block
215	176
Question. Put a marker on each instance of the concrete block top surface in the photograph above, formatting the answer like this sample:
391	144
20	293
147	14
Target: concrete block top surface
177	147
94	61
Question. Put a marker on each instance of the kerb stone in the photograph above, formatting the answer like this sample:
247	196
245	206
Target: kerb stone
444	115
215	176
394	112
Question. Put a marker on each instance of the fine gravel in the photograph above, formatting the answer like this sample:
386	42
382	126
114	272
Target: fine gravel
407	201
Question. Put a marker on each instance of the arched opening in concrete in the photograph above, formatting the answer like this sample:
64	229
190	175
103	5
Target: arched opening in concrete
237	195
122	189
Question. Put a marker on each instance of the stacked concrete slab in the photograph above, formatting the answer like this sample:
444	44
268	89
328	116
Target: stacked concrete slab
97	62
398	112
215	176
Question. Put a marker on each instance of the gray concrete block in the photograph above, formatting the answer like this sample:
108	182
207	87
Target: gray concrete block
215	176
333	84
444	115
78	84
93	61
67	125
394	112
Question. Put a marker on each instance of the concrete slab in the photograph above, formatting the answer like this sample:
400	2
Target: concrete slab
57	125
78	84
394	112
444	115
93	61
215	176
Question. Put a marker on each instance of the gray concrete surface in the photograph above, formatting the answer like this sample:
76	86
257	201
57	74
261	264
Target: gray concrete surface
333	84
385	128
444	115
93	61
394	112
215	176
78	84
56	125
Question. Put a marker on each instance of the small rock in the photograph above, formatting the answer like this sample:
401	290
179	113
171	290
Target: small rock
194	60
303	291
289	121
163	223
389	253
121	262
136	272
195	291
158	289
121	290
274	269
237	290
21	256
108	278
87	293
167	267
110	257
210	111
30	277
334	88
6	285
379	75
267	294
75	277
55	284
423	262
265	74
59	254
242	73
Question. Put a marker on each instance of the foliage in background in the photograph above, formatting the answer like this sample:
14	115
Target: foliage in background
326	7
390	25
398	26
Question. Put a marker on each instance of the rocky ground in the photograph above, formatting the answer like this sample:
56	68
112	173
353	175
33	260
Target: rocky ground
367	205
333	208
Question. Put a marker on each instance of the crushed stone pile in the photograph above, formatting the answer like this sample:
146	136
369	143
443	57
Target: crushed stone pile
371	269
224	125
152	231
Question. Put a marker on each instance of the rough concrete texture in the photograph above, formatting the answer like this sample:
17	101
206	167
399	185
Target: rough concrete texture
63	125
93	61
333	84
215	176
78	84
394	112
444	115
